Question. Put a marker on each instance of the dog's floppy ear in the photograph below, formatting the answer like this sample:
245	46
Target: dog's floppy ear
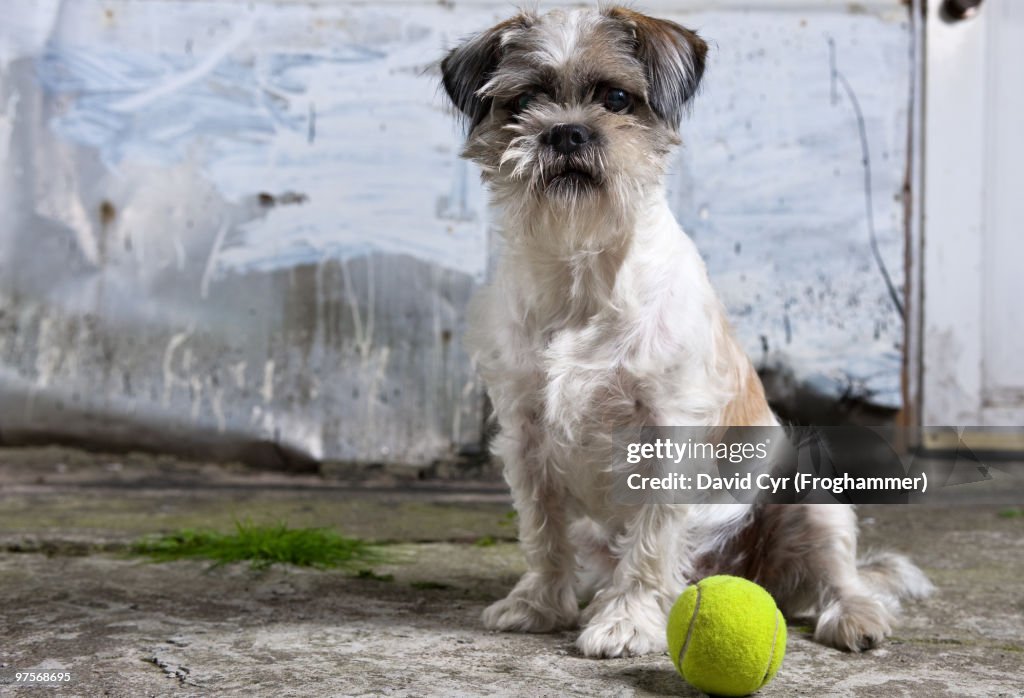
673	57
469	66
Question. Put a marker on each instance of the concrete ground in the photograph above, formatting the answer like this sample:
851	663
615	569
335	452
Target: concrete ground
72	601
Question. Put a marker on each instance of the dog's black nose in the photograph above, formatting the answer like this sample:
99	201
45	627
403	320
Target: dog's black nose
568	138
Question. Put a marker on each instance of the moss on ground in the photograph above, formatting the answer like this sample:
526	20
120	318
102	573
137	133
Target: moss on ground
261	546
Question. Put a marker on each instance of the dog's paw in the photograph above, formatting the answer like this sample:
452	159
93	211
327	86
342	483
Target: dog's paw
619	637
854	623
623	624
517	613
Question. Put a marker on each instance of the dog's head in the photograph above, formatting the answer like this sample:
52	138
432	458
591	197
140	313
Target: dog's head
573	109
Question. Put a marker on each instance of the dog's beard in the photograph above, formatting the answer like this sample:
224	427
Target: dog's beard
599	187
571	180
533	169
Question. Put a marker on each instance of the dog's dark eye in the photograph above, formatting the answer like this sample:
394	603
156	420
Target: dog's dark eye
617	100
522	102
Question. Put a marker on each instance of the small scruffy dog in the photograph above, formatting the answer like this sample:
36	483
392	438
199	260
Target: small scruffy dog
601	315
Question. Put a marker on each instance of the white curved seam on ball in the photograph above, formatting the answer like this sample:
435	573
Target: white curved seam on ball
771	655
689	630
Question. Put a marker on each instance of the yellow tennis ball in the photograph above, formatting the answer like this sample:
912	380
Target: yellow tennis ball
725	636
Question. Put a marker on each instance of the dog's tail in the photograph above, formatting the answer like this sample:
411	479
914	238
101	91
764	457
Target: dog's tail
893	577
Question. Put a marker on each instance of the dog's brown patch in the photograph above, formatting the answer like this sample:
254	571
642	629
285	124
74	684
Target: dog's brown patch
748	407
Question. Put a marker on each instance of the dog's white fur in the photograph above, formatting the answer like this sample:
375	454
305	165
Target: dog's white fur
601	315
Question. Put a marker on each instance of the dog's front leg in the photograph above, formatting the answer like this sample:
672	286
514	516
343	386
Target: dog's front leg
628	617
544	599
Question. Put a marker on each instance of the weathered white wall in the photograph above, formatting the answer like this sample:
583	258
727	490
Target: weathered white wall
772	186
230	222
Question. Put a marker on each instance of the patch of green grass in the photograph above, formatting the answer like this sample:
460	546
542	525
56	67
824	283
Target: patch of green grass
261	546
426	585
485	542
1011	513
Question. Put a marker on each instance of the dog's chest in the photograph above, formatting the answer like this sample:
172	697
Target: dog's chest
574	402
